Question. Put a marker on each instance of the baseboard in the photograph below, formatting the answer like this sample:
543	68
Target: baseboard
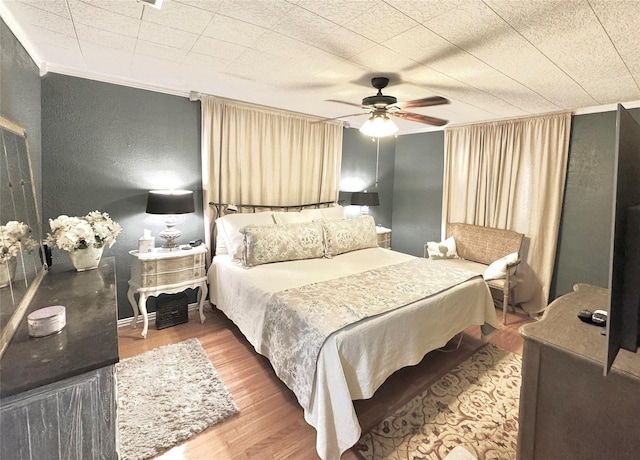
152	316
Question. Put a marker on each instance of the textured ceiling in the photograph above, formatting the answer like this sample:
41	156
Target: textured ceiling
492	59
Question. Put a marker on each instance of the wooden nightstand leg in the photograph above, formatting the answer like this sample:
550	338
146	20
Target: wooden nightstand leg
204	289
132	300
142	304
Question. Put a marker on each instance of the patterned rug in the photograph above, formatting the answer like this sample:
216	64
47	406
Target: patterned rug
167	395
475	406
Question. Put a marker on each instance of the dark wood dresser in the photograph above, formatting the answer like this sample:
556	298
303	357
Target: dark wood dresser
57	393
568	408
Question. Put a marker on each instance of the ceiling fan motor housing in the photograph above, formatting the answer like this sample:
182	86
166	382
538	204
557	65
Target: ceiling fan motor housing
379	101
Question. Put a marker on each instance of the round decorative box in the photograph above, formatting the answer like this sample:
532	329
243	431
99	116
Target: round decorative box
47	321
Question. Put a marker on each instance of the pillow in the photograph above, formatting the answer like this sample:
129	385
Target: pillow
309	215
221	243
331	213
498	268
443	250
277	243
349	234
229	226
291	217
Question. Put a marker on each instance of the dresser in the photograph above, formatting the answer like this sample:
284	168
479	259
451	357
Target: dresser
58	392
568	408
165	271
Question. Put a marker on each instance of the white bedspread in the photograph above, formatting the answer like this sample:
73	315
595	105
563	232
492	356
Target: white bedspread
355	361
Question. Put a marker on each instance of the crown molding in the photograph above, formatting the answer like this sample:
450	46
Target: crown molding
116	80
17	30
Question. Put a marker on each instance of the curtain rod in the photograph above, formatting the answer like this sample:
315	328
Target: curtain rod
502	120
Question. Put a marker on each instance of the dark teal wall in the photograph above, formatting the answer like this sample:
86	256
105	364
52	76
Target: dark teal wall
359	168
417	191
20	94
105	146
585	226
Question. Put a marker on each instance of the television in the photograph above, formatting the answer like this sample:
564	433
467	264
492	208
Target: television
623	325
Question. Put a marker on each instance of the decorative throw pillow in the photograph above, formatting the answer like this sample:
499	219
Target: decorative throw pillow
349	234
498	268
278	243
443	250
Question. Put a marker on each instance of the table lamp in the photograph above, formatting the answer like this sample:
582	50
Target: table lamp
365	200
170	203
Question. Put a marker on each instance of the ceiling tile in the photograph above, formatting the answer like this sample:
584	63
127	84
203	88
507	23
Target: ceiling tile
179	16
345	43
424	10
381	23
233	30
339	12
87	34
90	15
621	20
160	51
57	7
264	13
212	6
168	36
133	9
305	26
218	48
45	20
381	59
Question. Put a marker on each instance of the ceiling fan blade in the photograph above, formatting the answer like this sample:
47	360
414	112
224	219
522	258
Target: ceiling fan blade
424	102
420	118
344	102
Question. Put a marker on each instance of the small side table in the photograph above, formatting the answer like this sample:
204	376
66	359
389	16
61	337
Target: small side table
384	237
165	271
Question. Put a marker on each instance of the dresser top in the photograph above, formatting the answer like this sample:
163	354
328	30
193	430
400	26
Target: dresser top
89	340
561	328
163	253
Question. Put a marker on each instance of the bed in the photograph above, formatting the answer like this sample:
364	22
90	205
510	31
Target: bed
337	323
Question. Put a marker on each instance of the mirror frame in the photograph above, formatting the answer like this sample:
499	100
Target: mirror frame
23	304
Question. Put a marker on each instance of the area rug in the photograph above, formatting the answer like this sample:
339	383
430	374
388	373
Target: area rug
167	395
474	406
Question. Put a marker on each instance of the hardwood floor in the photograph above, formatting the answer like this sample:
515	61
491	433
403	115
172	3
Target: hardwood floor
270	424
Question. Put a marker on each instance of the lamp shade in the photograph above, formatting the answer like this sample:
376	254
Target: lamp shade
365	199
170	202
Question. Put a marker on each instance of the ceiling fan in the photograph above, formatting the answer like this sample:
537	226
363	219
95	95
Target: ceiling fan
381	106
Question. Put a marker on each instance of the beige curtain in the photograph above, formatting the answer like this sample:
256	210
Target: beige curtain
257	155
511	175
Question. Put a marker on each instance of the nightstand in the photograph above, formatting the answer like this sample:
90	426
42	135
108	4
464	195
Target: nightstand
384	237
165	271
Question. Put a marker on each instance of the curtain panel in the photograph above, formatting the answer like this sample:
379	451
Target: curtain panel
257	155
511	175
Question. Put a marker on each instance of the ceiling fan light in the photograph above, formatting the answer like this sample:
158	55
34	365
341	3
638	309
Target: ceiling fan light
379	126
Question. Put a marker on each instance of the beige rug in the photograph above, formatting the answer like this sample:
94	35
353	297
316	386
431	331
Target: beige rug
474	406
167	395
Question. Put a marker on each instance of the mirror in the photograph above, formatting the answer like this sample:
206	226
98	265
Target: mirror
21	267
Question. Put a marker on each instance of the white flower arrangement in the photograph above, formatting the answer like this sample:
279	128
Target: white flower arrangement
14	238
96	229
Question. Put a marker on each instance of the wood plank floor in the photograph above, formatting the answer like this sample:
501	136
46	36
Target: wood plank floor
270	424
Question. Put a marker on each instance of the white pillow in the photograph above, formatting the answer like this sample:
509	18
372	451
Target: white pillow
230	226
291	217
443	250
498	268
309	215
333	213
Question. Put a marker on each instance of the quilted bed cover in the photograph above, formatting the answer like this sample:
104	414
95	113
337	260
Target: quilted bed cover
358	358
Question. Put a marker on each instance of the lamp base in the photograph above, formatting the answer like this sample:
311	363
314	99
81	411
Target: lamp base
170	234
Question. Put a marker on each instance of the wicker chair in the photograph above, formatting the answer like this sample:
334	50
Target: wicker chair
479	246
